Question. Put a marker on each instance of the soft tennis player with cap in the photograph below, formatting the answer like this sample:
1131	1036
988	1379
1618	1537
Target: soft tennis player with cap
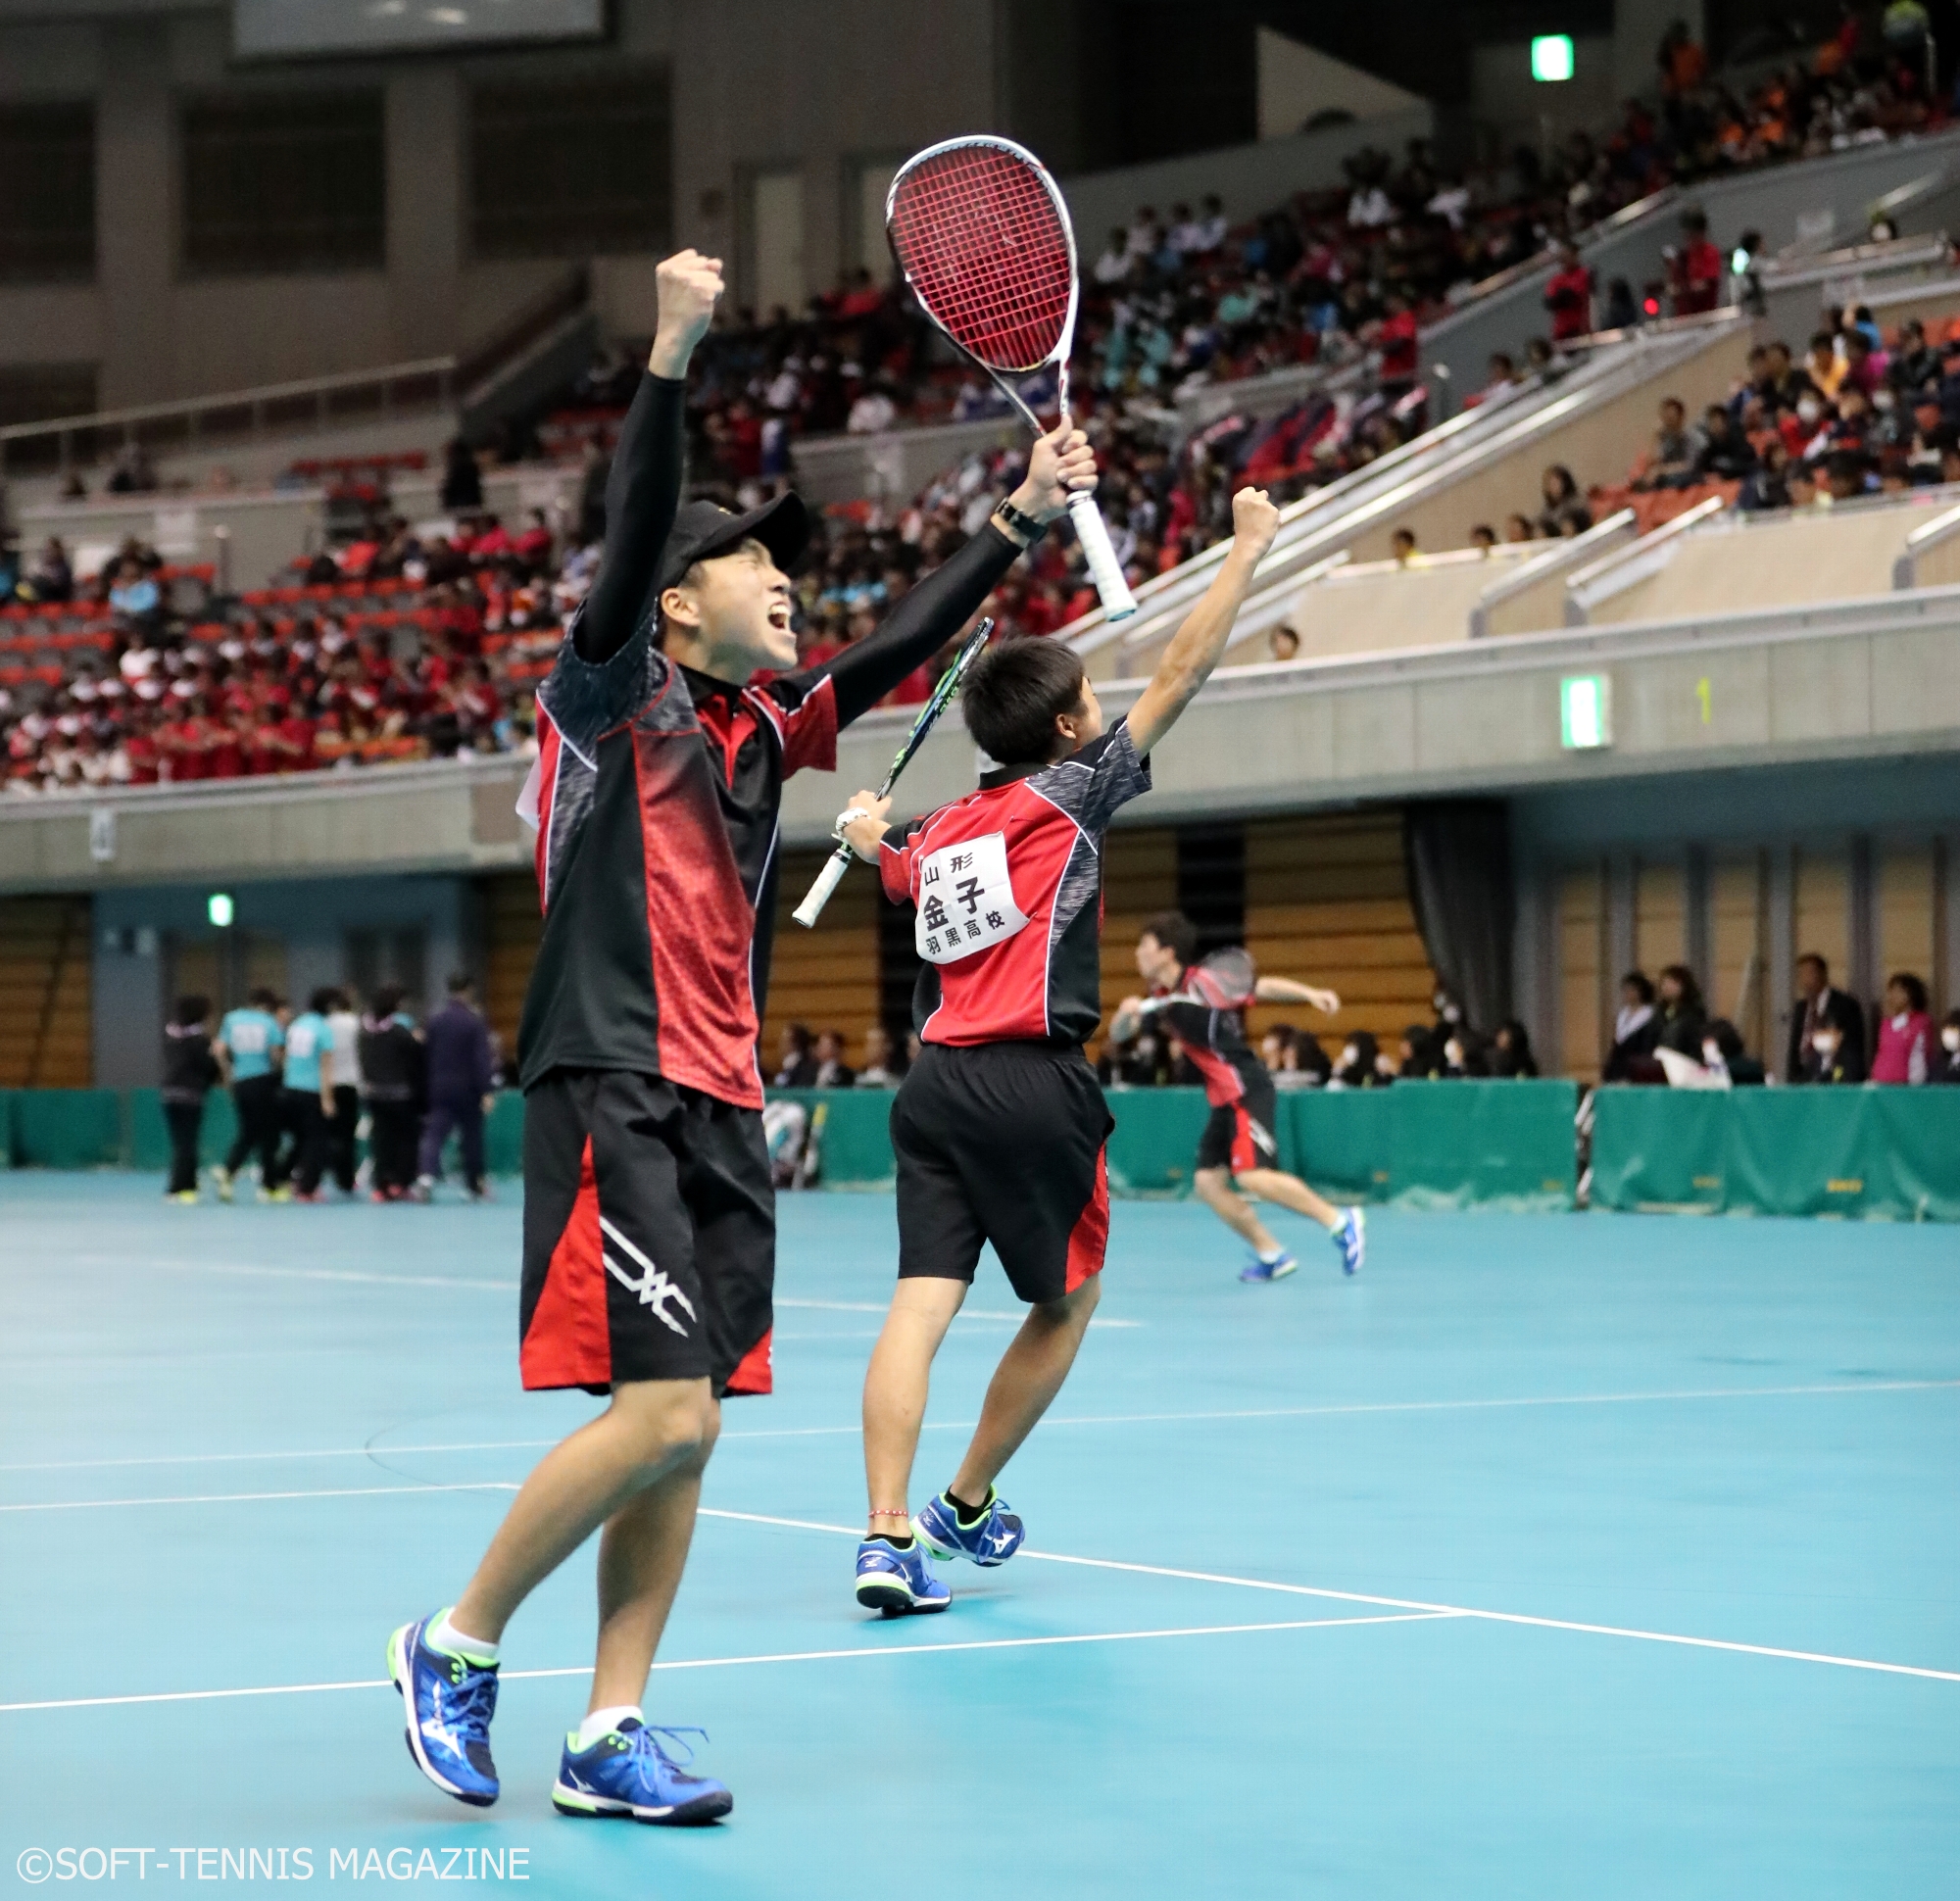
649	1218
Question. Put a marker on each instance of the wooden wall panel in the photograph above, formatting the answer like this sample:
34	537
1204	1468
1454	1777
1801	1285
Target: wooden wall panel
1139	880
1584	979
1327	902
1823	910
1907	937
828	977
1738	941
46	992
1660	918
512	924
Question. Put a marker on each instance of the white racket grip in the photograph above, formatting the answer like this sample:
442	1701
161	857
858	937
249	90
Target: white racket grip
827	881
1119	602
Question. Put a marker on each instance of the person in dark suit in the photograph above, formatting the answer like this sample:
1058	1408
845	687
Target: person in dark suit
461	1065
1822	1012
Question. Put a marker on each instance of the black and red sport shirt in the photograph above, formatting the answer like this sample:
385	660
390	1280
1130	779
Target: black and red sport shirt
1215	1043
658	790
1007	887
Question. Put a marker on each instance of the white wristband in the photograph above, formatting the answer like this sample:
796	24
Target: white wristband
849	818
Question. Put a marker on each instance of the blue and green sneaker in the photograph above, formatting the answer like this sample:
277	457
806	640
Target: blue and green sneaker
990	1539
628	1772
450	1701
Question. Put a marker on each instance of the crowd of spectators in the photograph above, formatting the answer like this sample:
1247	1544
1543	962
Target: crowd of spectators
1664	1032
1862	412
1446	1048
1171	301
416	648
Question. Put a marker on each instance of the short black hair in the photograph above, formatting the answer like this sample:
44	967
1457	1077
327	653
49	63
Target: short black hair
460	981
191	1009
386	1000
1015	693
262	999
1175	932
322	1000
1914	988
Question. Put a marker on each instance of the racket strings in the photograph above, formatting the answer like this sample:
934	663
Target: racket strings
985	250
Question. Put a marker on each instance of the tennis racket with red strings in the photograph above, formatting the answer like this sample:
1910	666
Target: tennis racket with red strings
980	231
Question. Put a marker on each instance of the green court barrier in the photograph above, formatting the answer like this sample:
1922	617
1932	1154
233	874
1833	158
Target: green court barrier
1342	1139
1886	1154
503	1137
1497	1143
854	1144
69	1128
1156	1139
7	1096
1455	1145
149	1136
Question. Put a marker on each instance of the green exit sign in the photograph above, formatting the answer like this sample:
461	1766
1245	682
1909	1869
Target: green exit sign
1551	57
1585	712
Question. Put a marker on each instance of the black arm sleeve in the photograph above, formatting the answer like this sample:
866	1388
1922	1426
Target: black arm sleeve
919	625
642	493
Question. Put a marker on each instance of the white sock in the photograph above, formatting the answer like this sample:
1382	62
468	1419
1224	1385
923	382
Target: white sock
444	1636
1271	1254
602	1723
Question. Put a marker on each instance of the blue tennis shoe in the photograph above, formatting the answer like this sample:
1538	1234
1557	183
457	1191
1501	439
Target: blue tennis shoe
448	1701
1351	1240
1256	1269
628	1771
990	1539
895	1580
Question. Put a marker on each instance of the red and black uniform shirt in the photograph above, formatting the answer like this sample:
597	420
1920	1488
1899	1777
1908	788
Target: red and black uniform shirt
656	793
657	861
1215	1043
1007	887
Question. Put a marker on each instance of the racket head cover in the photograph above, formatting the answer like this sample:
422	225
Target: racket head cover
980	231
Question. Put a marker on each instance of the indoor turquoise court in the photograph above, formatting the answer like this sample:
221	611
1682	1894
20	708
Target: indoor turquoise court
1601	1555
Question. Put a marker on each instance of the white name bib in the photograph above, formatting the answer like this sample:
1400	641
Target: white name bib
966	900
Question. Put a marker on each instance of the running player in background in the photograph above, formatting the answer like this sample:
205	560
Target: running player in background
253	1040
305	1105
649	1216
1238	1150
1000	1127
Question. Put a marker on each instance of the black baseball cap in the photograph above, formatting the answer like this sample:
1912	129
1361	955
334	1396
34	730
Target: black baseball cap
702	530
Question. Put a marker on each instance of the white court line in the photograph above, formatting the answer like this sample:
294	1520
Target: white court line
255	1271
1407	1604
1062	1419
253	1497
729	1663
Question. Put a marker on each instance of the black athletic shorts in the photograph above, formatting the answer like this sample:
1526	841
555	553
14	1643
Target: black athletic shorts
1002	1141
1240	1134
649	1235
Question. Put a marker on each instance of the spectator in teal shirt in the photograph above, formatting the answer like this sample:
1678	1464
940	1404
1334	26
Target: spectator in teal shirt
306	1104
254	1040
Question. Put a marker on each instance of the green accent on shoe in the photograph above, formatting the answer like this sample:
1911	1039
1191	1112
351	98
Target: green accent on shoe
475	1661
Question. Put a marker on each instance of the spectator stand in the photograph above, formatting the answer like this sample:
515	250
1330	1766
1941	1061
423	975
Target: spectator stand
1714	559
1472	468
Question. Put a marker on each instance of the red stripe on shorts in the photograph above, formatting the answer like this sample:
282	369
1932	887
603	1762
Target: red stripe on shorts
569	1343
1244	1150
1089	1238
757	1373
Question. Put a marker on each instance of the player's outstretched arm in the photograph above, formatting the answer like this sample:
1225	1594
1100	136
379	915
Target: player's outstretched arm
934	611
643	491
1283	990
1195	649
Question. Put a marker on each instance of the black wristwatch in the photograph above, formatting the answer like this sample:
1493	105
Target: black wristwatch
1021	523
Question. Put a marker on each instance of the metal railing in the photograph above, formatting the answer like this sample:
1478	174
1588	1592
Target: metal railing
1582	549
1614	572
68	442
